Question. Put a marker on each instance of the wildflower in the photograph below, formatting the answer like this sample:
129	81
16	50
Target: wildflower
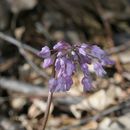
45	52
65	59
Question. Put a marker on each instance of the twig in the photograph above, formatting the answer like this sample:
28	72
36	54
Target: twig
21	87
21	48
34	66
17	43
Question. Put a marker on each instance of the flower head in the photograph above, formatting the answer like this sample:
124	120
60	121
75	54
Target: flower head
65	61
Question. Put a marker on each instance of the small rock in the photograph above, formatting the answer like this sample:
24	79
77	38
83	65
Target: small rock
19	32
115	126
18	102
105	123
114	92
19	5
9	125
125	57
126	75
92	125
118	78
100	100
125	120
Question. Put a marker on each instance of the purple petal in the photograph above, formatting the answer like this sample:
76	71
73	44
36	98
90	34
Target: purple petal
82	51
57	64
47	62
87	83
85	59
52	84
60	66
99	69
70	68
98	52
74	56
69	82
63	84
83	45
84	68
60	85
107	61
45	52
61	45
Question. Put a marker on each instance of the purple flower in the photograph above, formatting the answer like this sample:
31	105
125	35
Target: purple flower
61	46
61	84
82	51
45	52
66	59
60	66
98	52
85	59
87	83
83	45
52	84
64	84
47	62
74	56
99	69
70	67
84	69
107	61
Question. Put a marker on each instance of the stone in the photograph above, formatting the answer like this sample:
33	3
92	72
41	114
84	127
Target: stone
115	126
125	57
125	120
114	92
18	103
100	100
18	5
105	123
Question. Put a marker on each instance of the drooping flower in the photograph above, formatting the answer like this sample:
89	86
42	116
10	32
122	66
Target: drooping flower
87	83
45	52
47	62
61	46
99	69
65	61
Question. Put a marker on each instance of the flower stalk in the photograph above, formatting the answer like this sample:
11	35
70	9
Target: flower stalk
49	100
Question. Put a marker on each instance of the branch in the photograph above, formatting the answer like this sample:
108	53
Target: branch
21	87
21	48
18	43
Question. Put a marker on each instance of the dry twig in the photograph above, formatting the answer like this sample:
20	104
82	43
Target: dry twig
22	48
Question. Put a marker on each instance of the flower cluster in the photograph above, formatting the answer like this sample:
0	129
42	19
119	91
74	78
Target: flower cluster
65	59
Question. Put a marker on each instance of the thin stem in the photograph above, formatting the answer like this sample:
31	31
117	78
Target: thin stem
49	100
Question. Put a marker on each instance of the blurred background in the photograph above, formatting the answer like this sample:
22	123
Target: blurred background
28	25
